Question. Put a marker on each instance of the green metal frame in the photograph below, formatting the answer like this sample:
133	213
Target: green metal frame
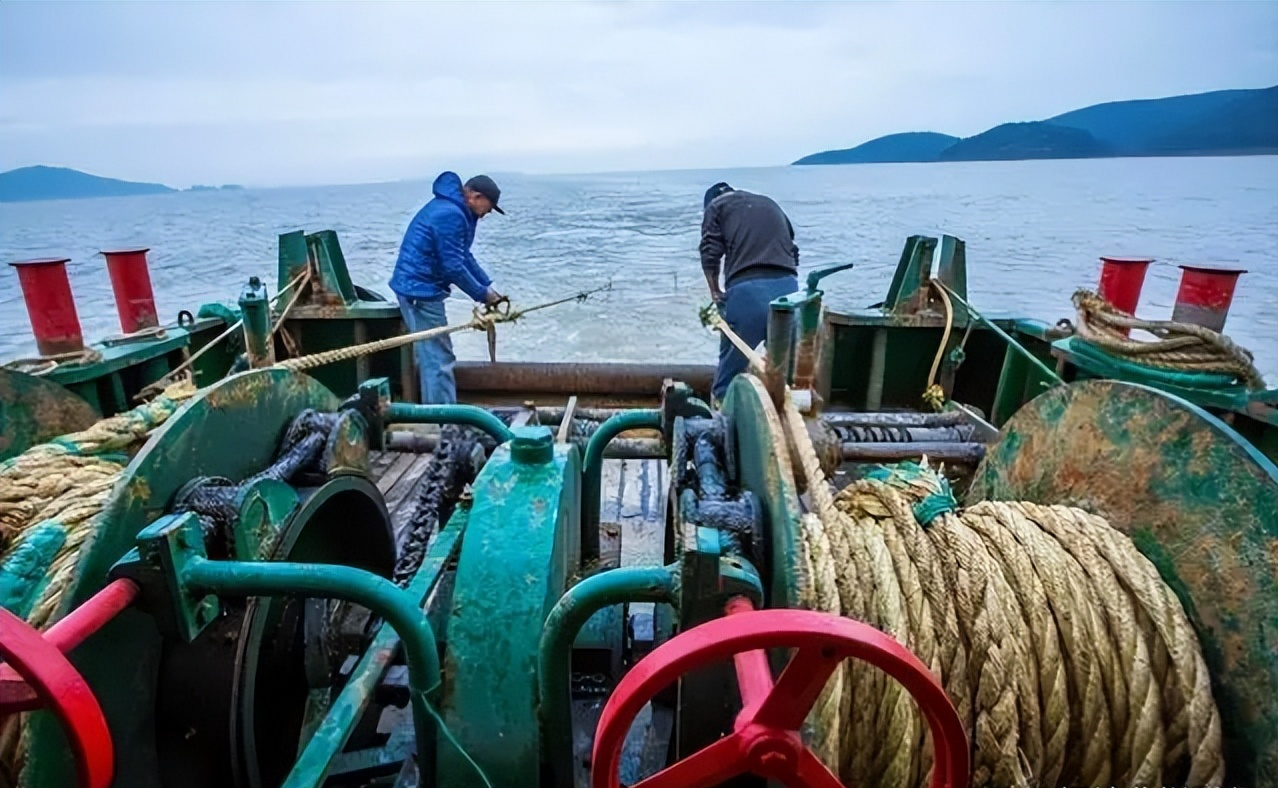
794	354
592	471
554	658
467	415
767	473
520	550
255	310
322	754
170	559
232	430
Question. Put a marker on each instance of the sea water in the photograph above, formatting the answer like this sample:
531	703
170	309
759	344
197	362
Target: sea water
1034	232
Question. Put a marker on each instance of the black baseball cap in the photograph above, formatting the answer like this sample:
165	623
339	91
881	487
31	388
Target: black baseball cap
716	190
487	187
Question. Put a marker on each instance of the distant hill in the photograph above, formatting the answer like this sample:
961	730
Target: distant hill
1243	124
1038	140
1220	123
905	147
60	183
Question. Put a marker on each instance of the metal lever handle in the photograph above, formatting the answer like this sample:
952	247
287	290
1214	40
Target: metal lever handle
815	277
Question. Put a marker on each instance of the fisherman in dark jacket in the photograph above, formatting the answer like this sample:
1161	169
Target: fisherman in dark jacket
434	256
754	239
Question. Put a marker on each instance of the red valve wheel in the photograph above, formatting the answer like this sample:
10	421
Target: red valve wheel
765	740
50	680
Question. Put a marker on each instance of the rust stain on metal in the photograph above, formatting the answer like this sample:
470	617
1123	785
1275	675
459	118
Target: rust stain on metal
1197	499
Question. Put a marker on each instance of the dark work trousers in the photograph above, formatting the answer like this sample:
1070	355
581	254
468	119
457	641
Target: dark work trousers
746	312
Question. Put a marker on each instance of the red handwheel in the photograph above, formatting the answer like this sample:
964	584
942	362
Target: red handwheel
36	674
765	740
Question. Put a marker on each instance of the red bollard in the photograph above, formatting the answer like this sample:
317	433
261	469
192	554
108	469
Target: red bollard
50	305
131	283
1205	295
1121	280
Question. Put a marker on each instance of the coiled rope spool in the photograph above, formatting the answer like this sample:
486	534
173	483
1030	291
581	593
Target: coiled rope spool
1068	658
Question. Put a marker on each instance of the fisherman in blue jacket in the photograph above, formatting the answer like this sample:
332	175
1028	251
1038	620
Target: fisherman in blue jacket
434	256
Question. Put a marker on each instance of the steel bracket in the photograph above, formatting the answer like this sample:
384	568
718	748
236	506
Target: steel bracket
370	401
157	564
264	507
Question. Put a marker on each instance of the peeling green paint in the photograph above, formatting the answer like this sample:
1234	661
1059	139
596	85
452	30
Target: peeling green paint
1198	500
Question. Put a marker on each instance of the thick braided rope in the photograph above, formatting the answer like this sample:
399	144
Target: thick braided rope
68	481
980	592
1122	642
898	720
1052	683
1087	654
376	346
1178	346
822	594
922	628
1193	753
1139	758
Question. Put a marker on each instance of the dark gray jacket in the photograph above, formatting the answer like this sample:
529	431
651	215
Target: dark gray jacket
751	234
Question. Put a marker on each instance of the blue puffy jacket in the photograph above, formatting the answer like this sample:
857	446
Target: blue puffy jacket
435	253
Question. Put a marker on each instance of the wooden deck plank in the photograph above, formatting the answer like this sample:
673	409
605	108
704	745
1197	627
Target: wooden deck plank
379	461
396	469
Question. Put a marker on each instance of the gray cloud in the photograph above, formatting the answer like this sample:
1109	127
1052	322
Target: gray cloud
273	93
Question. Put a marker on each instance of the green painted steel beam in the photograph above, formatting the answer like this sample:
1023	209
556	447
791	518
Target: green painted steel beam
332	734
121	356
328	581
466	415
592	471
255	307
554	654
1047	371
757	432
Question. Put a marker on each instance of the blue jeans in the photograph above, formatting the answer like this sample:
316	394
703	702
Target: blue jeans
746	313
435	357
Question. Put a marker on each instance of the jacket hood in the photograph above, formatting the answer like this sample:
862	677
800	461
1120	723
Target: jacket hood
448	186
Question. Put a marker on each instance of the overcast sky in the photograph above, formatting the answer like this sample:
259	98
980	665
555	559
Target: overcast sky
298	93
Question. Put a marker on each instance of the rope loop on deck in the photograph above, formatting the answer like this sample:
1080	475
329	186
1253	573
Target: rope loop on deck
1183	347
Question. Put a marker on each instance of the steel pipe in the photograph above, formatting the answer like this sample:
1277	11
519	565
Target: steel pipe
69	632
331	581
50	305
617	449
892	452
554	652
131	285
893	419
579	378
465	415
554	415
